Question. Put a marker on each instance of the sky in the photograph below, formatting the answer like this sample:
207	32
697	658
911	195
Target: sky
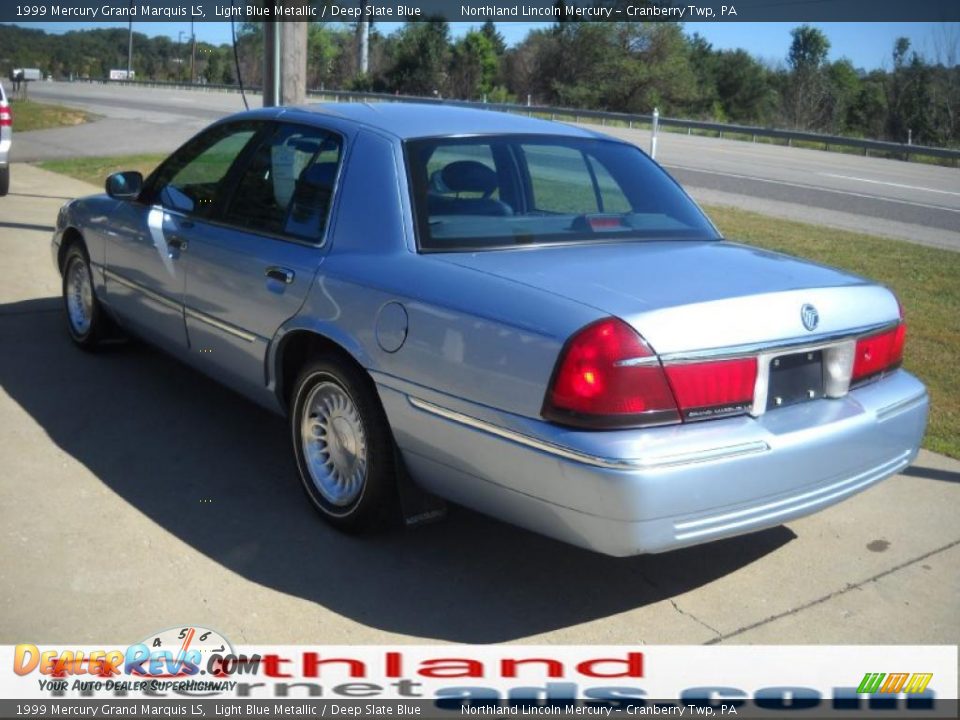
868	45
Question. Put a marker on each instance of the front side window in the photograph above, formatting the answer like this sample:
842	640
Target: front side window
191	179
513	190
287	186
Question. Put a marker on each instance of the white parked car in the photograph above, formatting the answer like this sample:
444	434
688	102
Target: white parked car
6	135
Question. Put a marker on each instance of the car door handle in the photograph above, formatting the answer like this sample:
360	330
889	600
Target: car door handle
177	244
279	273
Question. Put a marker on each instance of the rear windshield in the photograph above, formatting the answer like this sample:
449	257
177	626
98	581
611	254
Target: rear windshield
503	191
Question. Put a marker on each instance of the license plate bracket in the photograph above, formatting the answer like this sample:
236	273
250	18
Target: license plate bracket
795	379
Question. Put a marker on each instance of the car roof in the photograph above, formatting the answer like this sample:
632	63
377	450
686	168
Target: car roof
418	120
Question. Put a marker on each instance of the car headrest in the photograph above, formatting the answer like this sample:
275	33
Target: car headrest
469	176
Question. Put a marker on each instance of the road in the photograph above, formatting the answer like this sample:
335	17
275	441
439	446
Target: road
909	201
139	495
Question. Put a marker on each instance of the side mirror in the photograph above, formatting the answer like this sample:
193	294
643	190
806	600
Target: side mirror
124	185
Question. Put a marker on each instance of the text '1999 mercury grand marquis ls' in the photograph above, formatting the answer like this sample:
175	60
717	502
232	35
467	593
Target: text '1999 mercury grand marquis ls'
527	318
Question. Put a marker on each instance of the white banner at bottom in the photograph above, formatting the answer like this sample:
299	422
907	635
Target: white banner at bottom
186	663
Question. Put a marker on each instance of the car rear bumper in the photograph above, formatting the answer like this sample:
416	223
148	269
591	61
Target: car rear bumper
641	491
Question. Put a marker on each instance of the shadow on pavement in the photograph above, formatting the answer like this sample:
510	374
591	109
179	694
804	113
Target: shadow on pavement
27	226
932	474
33	195
164	438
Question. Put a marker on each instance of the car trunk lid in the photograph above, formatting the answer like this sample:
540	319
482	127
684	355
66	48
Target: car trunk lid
694	296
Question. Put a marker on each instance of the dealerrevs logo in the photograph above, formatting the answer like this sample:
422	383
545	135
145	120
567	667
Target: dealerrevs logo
176	653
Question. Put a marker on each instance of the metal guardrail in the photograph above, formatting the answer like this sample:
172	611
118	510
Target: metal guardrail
903	150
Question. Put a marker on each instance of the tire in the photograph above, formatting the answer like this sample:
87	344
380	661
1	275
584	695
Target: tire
86	321
4	180
343	446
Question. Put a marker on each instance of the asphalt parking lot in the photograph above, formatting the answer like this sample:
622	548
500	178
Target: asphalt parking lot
139	495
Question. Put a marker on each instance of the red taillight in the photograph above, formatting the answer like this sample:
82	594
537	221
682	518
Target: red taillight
6	117
607	376
878	353
715	388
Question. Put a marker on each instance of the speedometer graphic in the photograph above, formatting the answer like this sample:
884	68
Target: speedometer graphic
185	651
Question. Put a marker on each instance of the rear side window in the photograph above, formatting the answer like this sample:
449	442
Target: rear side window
287	186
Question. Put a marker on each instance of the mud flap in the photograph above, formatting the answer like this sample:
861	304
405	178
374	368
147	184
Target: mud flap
417	506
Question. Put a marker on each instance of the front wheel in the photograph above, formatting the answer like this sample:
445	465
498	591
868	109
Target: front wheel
343	446
86	321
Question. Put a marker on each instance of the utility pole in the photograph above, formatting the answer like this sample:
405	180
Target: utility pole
130	43
193	55
285	59
363	47
294	63
271	63
180	56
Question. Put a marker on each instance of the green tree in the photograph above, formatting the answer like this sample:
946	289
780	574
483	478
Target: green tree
250	50
213	67
906	94
654	64
521	66
844	86
422	58
868	114
901	48
613	66
324	45
703	61
806	96
474	66
808	50
489	30
742	87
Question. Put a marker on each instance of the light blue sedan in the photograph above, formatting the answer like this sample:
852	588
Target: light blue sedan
527	318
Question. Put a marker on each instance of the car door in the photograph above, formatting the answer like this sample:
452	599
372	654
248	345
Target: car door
251	270
145	277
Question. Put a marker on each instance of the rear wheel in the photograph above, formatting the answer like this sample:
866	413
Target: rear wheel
86	321
4	180
343	446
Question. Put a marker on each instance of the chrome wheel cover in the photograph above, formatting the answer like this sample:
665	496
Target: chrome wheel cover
79	297
334	444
